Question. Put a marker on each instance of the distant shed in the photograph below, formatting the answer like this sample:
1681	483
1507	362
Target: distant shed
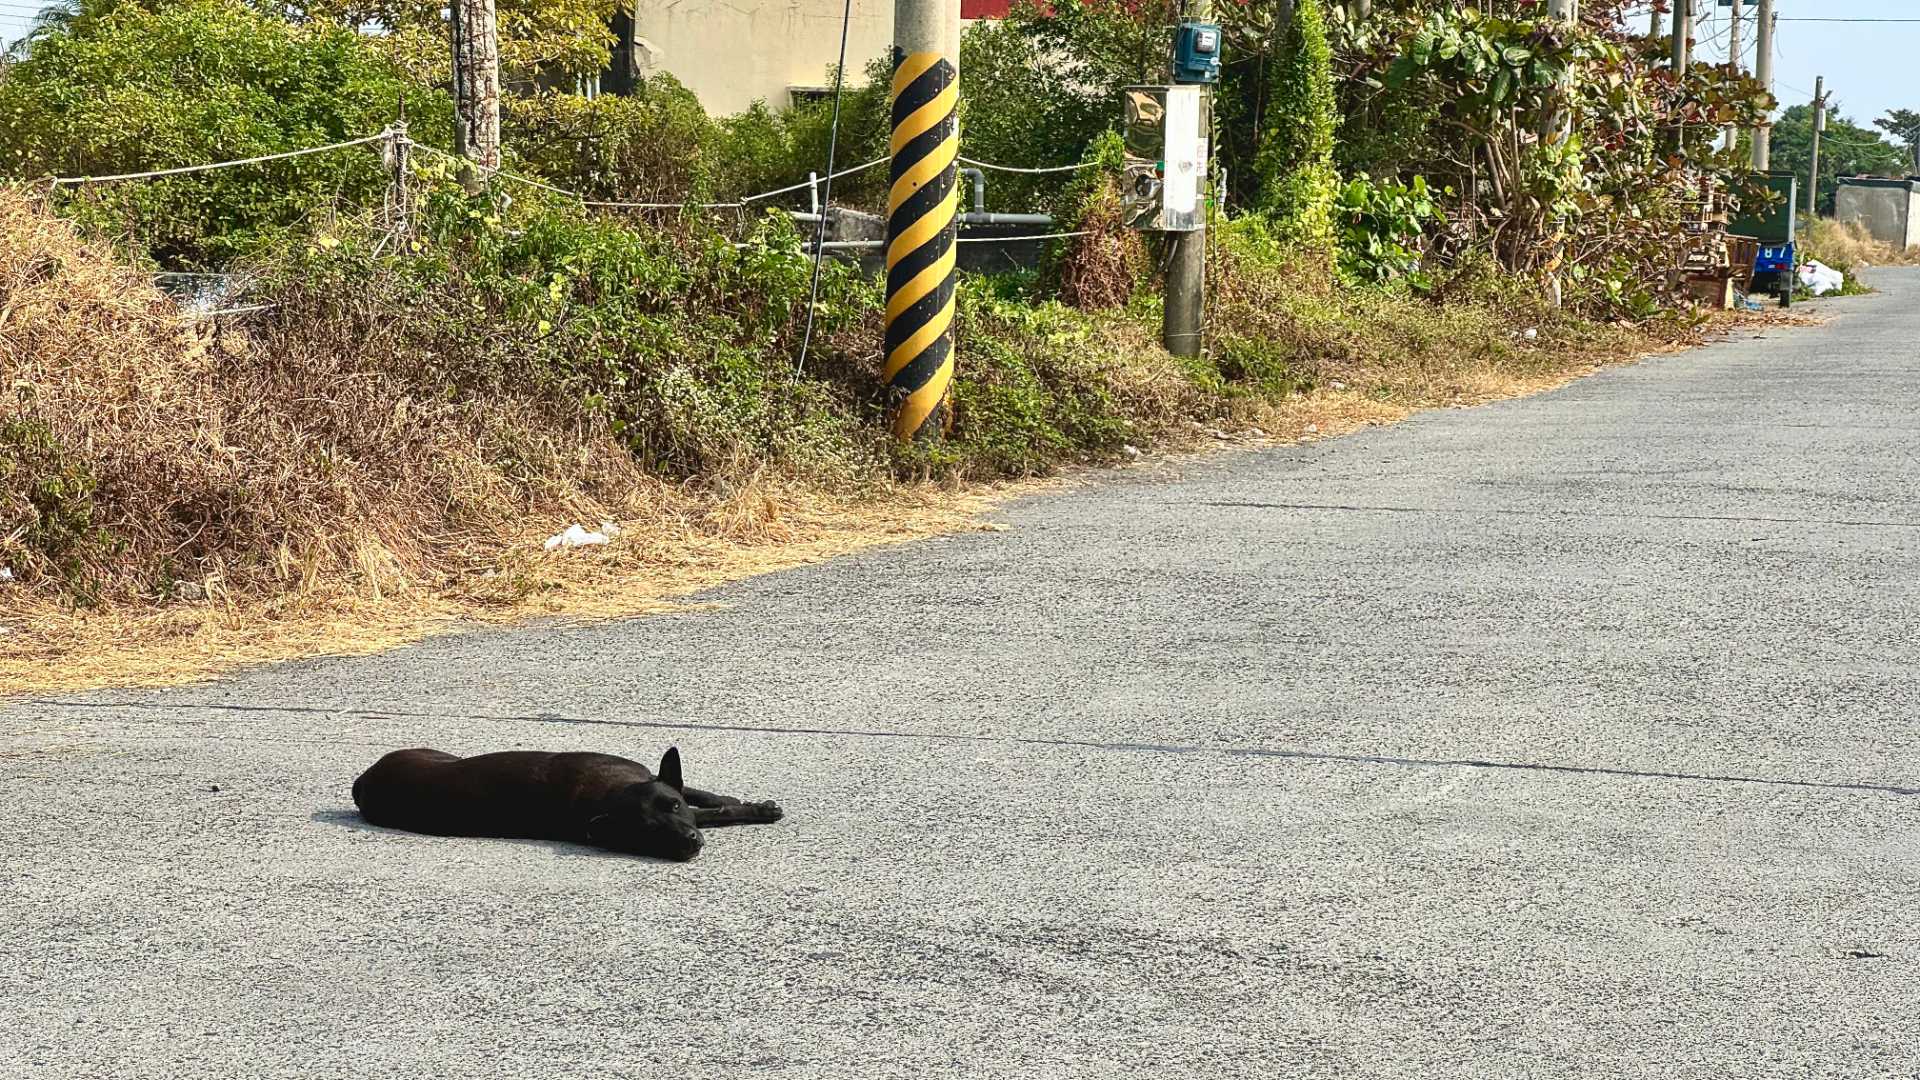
1890	209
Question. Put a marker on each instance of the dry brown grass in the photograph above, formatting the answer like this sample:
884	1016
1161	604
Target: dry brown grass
1848	246
231	465
294	496
684	547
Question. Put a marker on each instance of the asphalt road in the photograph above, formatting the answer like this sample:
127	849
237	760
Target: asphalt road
1567	737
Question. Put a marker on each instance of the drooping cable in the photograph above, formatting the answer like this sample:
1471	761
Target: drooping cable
826	193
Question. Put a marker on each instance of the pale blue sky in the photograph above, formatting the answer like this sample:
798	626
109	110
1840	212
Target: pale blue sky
1871	67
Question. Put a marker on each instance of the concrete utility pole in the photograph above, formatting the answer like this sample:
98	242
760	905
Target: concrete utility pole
1736	58
1557	117
1682	34
918	366
1819	129
1763	70
1183	319
476	84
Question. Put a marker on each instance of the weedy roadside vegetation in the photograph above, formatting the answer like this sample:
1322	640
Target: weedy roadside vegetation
381	440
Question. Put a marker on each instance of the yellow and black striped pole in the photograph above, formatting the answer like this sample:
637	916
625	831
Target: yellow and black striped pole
920	240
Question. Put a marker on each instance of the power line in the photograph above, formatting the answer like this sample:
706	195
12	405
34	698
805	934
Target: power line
826	202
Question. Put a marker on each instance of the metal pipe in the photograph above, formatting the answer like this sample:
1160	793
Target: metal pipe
965	219
979	189
1005	219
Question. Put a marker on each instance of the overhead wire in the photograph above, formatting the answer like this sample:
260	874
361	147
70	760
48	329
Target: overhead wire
826	198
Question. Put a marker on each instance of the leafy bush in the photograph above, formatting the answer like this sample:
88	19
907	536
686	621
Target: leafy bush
46	501
1040	382
1022	106
127	88
1102	268
657	145
1295	161
1382	226
538	38
764	149
683	342
1284	326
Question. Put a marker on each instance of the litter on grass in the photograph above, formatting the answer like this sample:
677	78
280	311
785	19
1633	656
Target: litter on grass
577	536
1821	278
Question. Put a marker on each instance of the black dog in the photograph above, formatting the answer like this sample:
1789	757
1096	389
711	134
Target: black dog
596	799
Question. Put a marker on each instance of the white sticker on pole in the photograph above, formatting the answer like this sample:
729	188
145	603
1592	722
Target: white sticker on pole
1182	193
1186	158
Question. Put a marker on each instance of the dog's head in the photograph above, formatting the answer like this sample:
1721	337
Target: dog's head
652	818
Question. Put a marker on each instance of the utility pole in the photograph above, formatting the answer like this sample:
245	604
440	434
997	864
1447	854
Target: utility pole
918	364
1819	129
1736	59
476	85
1653	22
1682	34
1564	12
1763	70
1183	318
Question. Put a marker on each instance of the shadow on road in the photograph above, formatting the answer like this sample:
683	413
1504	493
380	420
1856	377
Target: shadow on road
351	819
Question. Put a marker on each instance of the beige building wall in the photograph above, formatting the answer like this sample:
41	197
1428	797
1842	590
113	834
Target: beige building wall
732	54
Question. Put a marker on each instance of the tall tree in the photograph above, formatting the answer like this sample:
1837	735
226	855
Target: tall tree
1904	126
1846	149
537	37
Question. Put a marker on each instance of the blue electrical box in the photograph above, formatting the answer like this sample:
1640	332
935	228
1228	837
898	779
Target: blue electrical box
1196	53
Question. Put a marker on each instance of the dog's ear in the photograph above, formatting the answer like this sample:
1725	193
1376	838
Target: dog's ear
669	773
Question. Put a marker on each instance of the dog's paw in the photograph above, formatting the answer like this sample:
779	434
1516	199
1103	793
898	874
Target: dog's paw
768	812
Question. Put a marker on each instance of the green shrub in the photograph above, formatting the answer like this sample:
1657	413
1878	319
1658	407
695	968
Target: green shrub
1298	185
1034	389
1023	107
657	145
682	339
763	148
1382	226
46	502
1105	267
127	88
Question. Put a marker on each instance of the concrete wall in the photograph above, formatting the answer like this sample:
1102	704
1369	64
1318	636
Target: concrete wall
1891	212
732	54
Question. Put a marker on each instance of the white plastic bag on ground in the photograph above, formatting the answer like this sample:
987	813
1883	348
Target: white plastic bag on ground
576	536
1821	278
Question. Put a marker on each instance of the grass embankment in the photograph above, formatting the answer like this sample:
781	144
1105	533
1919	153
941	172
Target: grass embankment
1847	246
377	457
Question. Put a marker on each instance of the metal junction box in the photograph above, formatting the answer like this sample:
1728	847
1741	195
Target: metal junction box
1166	131
1196	53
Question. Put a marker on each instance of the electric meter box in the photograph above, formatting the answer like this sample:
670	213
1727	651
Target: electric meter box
1166	129
1196	53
